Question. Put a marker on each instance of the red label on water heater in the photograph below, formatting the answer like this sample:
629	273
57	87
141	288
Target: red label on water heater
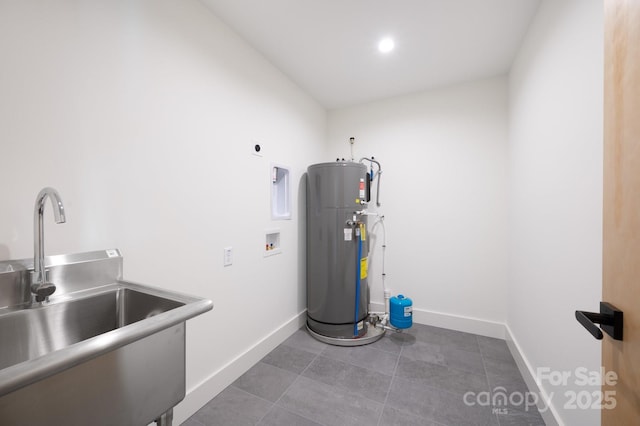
361	188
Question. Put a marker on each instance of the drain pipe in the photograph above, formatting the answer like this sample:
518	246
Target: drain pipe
383	318
386	291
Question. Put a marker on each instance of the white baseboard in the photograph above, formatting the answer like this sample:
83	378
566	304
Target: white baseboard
549	413
203	392
453	322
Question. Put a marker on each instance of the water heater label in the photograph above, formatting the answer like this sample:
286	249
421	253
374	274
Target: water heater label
348	234
361	188
408	310
360	325
364	266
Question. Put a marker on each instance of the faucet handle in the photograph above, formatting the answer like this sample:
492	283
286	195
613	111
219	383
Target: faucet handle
43	290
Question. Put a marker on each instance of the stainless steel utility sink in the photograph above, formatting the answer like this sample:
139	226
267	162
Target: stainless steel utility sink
36	332
102	351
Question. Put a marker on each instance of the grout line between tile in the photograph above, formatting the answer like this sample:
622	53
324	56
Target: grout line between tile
248	393
498	417
285	391
393	377
486	374
359	365
341	388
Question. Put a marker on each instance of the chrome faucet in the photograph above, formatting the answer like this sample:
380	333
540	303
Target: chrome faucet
39	284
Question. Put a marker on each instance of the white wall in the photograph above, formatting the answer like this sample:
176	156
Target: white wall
141	114
555	175
444	196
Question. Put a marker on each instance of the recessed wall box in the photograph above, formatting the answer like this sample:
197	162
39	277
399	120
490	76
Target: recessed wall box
272	242
280	181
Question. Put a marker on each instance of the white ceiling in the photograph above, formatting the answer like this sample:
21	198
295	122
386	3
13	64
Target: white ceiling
329	47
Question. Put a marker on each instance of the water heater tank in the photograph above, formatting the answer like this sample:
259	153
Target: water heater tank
334	194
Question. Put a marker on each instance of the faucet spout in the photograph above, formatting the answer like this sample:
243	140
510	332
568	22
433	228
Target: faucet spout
39	284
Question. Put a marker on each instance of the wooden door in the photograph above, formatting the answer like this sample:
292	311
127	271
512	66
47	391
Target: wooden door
621	239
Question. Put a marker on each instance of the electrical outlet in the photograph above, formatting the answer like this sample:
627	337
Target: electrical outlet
228	256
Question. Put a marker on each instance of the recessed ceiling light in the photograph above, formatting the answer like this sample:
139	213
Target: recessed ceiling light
386	45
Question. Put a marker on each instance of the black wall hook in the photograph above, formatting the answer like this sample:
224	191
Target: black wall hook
609	318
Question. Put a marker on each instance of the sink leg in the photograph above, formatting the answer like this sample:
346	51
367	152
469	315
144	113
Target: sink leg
166	419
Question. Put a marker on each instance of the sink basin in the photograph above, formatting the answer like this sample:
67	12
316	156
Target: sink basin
36	332
102	351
